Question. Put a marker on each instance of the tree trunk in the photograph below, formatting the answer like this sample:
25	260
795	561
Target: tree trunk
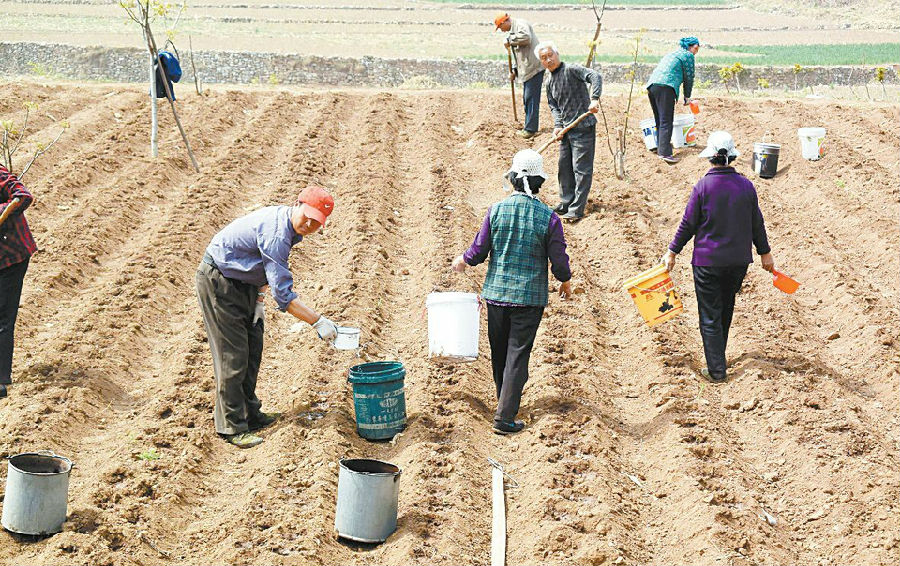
194	67
154	122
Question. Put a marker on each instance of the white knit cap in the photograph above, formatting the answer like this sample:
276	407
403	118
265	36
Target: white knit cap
528	163
719	140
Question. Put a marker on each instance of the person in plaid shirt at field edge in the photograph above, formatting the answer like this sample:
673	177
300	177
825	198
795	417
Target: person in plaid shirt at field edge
16	248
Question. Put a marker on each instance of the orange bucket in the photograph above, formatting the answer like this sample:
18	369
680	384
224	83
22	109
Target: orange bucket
783	282
653	293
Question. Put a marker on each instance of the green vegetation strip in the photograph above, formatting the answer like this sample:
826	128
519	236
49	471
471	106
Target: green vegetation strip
598	2
809	55
768	55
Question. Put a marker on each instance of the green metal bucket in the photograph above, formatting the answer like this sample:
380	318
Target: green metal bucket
378	399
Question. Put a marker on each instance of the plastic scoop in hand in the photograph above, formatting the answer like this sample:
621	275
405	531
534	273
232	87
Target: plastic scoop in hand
695	107
784	283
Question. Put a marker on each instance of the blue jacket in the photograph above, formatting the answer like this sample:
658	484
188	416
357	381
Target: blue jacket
172	68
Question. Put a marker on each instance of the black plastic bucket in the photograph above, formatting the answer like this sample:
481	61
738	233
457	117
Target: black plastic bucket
765	159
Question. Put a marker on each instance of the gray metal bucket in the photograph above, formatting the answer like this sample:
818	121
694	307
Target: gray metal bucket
765	159
367	496
37	492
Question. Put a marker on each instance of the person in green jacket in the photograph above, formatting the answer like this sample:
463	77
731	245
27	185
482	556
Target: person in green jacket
674	70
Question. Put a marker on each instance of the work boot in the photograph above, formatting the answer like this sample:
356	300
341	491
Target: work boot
713	379
508	427
2	391
244	440
670	159
525	134
262	420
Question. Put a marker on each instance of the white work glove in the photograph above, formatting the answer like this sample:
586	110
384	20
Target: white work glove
326	329
668	259
259	312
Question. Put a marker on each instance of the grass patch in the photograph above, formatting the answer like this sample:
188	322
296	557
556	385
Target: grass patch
765	55
813	54
600	2
149	455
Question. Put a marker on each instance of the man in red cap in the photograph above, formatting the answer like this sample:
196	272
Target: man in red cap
522	40
248	257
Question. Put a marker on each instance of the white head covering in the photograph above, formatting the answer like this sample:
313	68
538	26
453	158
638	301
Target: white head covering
528	163
719	140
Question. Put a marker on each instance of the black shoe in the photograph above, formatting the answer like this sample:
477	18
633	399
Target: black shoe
506	427
560	209
571	216
712	378
2	391
262	420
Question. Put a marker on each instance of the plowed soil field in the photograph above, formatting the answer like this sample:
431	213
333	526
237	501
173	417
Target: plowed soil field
627	458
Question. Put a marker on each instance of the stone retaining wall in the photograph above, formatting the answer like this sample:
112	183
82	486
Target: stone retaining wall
130	65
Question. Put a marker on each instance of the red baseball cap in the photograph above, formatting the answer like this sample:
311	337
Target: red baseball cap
316	203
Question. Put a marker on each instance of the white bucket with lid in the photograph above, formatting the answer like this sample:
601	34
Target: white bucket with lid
347	338
683	132
648	129
812	142
453	326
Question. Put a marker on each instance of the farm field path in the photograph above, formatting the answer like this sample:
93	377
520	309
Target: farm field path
628	457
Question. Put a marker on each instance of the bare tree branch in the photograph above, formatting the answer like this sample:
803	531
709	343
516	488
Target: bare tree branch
22	132
40	151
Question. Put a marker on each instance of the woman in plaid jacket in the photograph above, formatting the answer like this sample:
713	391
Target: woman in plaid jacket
522	235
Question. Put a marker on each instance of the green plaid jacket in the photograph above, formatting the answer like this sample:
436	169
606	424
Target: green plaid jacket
517	273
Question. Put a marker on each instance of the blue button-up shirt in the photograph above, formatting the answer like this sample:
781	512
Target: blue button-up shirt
254	249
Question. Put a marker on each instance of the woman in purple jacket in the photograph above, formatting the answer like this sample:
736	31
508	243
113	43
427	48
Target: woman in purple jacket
724	219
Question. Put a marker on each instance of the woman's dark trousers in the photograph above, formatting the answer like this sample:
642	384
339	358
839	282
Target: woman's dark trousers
11	279
511	331
716	288
662	101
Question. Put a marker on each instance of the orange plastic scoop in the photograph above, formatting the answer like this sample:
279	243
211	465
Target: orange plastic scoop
784	283
695	107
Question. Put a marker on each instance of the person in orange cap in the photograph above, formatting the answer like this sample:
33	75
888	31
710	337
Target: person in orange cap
243	261
527	68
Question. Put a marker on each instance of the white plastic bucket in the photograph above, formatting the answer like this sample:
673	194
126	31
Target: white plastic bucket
812	142
648	128
453	324
683	132
347	338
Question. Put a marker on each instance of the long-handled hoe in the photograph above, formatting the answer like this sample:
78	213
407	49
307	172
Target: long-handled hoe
563	132
512	83
10	208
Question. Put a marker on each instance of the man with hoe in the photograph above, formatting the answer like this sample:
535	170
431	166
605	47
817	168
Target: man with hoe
568	96
246	258
520	38
16	248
